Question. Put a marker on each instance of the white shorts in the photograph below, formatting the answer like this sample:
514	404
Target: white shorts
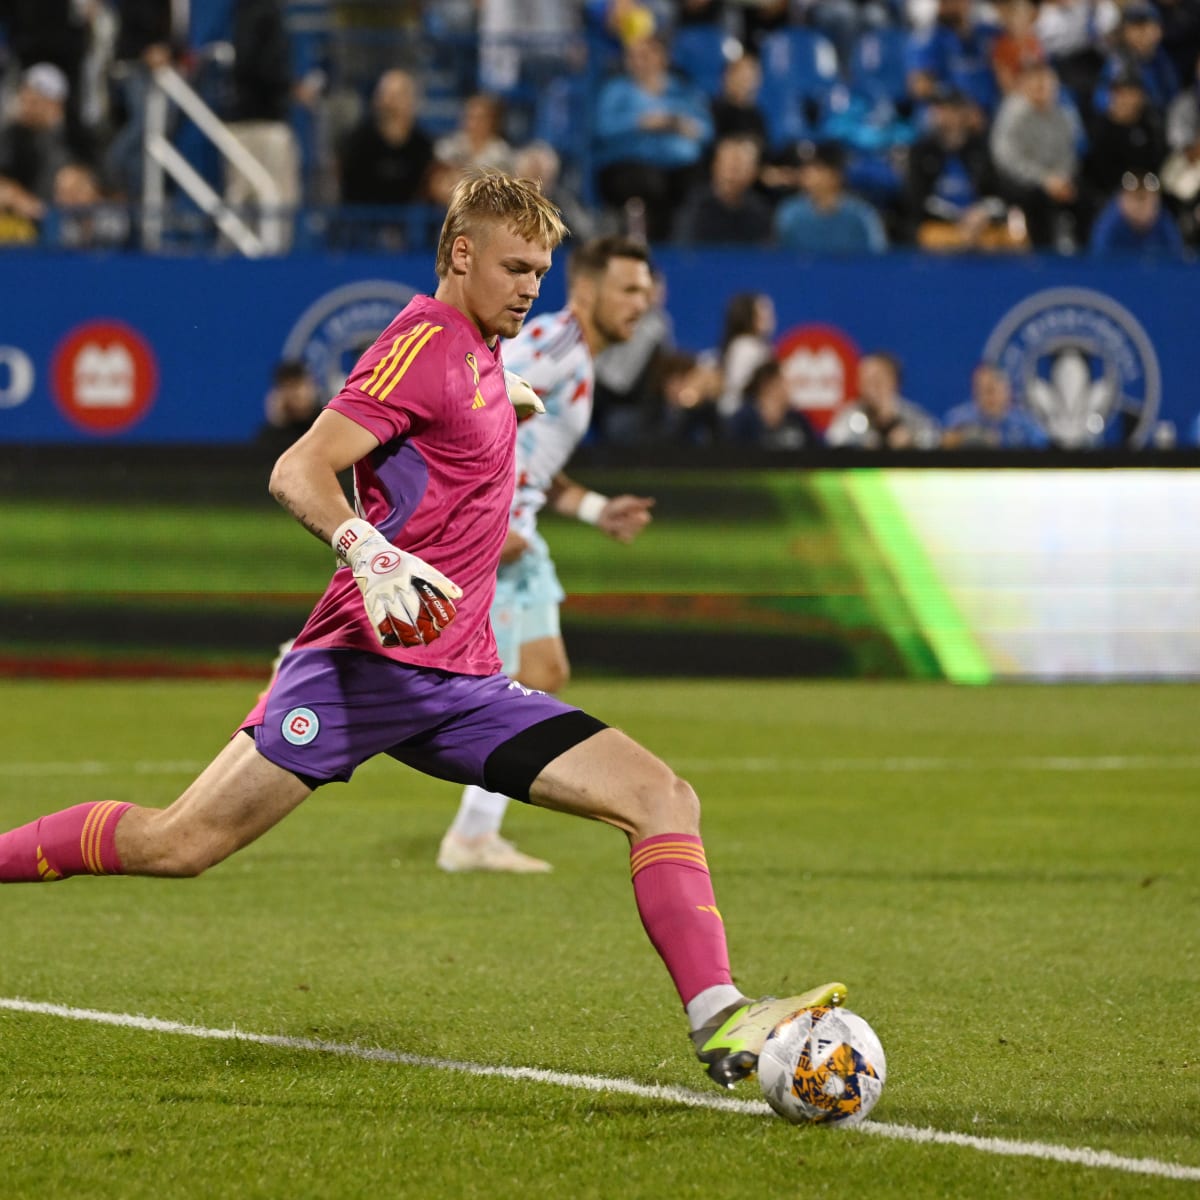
525	609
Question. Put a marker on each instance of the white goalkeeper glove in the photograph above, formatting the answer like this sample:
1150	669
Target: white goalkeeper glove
409	602
522	396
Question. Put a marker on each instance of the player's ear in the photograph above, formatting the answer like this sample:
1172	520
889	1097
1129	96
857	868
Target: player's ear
461	253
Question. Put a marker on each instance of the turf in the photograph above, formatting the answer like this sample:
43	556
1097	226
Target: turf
1005	877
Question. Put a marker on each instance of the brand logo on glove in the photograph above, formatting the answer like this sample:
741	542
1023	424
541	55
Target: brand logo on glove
436	602
385	561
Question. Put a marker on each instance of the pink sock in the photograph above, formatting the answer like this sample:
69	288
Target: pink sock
76	841
675	899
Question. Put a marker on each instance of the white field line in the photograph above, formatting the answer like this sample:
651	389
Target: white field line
1081	1156
779	763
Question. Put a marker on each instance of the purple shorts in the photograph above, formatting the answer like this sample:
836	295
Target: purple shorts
330	710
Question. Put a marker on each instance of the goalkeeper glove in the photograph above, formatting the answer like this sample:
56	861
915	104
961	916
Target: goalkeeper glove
409	602
522	396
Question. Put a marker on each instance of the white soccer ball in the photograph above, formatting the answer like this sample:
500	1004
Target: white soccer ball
822	1066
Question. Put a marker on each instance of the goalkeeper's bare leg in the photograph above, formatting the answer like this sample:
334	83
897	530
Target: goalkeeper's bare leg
236	799
611	778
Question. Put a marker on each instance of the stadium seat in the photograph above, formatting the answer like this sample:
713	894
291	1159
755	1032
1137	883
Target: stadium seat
699	52
799	59
800	68
876	67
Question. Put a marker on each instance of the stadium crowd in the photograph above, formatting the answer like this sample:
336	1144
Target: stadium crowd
817	126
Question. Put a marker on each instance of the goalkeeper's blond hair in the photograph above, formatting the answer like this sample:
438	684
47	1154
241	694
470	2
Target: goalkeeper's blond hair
485	195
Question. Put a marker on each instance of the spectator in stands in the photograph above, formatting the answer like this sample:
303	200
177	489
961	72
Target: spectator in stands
651	133
260	109
990	420
735	109
745	345
1183	116
956	51
1137	49
87	218
55	32
952	196
150	34
1181	171
1073	33
477	142
727	210
518	38
386	158
33	146
626	403
1033	143
687	387
1180	34
825	218
1018	45
1126	136
766	417
880	418
1134	222
539	160
290	407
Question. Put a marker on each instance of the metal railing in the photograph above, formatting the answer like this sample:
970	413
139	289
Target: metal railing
163	160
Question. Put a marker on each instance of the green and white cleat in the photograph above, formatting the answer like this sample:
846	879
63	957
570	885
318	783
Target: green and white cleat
730	1043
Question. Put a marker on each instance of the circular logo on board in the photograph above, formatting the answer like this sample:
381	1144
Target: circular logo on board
104	377
16	376
1083	366
331	334
300	726
820	365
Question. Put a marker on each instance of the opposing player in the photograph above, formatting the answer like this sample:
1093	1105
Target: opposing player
608	290
398	656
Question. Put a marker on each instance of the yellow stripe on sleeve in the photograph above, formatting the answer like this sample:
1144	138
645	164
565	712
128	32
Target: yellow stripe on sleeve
389	360
408	361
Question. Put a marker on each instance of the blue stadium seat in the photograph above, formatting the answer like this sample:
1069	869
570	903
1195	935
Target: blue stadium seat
698	51
800	69
876	68
801	60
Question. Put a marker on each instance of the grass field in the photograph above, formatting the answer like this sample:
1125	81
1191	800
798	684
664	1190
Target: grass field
1005	877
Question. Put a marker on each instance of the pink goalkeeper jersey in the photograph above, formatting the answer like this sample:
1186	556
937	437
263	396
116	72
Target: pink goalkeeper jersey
440	483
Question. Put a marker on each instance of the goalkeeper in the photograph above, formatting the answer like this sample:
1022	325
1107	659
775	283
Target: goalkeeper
398	655
608	291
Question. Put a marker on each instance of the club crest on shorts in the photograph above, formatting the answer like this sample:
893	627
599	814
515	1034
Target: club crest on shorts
300	726
1083	365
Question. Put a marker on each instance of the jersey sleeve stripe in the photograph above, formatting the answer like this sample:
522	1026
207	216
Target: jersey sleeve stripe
389	360
408	361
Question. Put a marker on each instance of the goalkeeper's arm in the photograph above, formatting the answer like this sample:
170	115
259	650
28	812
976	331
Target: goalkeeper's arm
408	601
621	517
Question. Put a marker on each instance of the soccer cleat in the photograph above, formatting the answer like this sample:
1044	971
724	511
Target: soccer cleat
729	1044
488	852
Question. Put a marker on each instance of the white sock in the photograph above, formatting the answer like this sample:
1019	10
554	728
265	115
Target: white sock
479	812
702	1007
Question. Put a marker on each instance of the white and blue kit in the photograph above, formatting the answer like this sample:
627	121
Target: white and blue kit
551	354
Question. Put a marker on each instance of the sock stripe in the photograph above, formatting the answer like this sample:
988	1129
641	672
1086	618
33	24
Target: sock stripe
657	849
683	853
93	831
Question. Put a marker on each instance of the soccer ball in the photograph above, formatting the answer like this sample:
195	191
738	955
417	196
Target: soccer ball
822	1066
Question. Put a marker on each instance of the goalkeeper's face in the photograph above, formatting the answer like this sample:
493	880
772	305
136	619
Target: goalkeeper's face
621	297
501	276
